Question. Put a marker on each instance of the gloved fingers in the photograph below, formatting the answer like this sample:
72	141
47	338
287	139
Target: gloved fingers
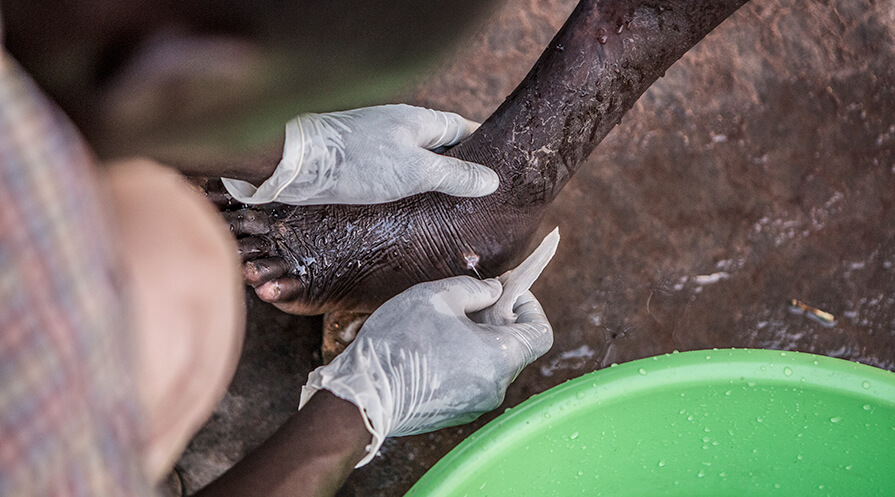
532	331
528	341
433	128
464	294
461	178
529	310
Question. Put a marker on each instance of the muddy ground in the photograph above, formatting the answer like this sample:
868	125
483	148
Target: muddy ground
760	169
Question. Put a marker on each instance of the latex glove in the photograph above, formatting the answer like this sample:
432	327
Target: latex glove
368	156
420	363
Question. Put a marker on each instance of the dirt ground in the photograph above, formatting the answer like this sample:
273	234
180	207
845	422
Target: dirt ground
760	169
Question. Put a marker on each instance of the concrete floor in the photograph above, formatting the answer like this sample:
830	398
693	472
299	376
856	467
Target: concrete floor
761	168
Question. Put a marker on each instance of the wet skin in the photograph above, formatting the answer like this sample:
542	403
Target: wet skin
310	260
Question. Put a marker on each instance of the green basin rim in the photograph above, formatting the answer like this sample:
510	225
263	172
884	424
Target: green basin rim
636	379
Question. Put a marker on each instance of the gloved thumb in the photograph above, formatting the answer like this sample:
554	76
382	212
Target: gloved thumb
465	294
463	179
532	333
435	129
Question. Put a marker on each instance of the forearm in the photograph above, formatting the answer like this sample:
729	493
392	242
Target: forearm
311	455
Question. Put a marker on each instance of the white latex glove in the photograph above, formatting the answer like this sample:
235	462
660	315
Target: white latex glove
420	363
369	156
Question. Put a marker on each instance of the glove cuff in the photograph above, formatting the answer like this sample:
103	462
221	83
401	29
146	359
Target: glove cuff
285	173
313	146
356	385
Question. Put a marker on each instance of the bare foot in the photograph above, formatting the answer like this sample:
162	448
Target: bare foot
310	260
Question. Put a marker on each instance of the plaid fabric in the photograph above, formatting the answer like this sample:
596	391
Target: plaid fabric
68	412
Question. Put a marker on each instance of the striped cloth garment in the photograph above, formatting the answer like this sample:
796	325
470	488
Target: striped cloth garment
69	414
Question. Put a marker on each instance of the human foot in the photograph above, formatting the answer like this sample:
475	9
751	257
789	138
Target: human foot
308	260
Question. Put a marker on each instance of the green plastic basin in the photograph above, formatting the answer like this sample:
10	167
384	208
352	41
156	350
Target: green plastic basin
715	423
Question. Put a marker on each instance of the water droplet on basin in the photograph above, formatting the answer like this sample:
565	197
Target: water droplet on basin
835	419
866	385
866	407
573	436
787	371
642	371
700	474
661	464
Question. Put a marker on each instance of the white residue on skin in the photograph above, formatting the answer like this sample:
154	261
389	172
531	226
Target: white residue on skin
305	263
544	150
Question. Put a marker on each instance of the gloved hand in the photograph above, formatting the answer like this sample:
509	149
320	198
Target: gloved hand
420	363
368	156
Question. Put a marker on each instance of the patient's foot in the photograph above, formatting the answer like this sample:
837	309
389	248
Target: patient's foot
318	259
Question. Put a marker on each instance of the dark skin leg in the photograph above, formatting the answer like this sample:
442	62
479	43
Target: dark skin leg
309	260
301	459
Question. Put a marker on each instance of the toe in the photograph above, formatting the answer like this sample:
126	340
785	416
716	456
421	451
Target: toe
262	271
248	222
253	247
279	290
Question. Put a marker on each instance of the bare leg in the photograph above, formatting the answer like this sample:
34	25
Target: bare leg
315	259
186	300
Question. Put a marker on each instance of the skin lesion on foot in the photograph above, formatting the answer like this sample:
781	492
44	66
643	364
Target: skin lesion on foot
339	330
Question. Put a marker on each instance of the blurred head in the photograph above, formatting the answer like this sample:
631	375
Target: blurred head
175	78
186	310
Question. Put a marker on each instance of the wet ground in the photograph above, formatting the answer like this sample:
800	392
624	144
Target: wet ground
760	169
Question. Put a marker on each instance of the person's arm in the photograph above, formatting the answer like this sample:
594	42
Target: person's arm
426	359
311	455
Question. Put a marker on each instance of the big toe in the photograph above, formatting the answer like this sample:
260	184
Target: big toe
260	271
